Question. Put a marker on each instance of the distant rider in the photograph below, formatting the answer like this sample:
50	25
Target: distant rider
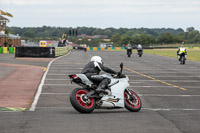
139	48
92	70
180	51
129	48
85	47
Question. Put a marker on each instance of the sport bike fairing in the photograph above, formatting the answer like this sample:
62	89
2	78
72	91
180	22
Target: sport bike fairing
117	85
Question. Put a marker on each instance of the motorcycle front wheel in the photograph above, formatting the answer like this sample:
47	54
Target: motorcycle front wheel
80	102
132	101
183	60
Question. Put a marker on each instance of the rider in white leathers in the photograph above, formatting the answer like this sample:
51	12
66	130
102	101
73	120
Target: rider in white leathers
139	47
129	48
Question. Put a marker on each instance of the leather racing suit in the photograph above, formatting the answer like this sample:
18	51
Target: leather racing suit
92	70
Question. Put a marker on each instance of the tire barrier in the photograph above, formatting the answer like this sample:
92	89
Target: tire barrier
1	50
102	49
48	52
123	48
11	50
7	50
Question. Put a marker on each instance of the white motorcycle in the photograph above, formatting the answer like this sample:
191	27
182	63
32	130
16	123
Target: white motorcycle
116	95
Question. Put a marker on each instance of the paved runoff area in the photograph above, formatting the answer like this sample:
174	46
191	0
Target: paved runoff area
170	95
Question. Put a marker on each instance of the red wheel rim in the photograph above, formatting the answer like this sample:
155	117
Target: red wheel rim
79	100
128	101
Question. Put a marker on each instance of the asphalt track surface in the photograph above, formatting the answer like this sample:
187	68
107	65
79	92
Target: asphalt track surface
170	94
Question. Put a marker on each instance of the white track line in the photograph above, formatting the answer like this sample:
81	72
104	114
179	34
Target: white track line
66	68
150	109
62	84
170	109
166	95
56	74
142	95
39	90
163	76
55	93
129	86
57	79
143	81
151	86
163	86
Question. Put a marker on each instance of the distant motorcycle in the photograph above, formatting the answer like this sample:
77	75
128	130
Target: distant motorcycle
129	52
182	58
116	95
140	52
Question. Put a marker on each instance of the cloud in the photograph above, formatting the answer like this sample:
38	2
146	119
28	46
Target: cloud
114	6
106	12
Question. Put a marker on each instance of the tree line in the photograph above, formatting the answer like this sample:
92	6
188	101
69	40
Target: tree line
120	36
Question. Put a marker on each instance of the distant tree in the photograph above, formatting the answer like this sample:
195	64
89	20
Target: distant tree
116	39
108	32
192	36
125	39
166	38
189	29
178	39
144	36
136	39
29	34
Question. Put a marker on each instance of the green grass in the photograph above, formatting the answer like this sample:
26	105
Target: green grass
193	54
178	45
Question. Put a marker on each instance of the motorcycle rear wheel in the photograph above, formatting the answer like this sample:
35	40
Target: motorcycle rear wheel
132	102
81	104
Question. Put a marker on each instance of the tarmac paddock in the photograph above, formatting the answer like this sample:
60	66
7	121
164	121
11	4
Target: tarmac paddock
158	80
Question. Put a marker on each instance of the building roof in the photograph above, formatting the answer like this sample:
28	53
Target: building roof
2	35
3	18
11	36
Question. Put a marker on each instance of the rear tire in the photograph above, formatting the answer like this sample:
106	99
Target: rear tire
133	103
79	103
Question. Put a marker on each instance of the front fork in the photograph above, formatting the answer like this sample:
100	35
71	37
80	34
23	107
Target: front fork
131	98
179	57
129	94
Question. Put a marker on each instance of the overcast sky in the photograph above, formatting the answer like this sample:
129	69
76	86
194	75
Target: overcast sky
104	13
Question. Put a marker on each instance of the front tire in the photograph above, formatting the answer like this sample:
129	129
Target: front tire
132	102
183	60
81	104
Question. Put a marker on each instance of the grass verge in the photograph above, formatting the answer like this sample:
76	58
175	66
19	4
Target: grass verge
193	54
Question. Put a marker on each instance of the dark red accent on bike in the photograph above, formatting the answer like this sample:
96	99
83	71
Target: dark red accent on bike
78	98
73	76
132	105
